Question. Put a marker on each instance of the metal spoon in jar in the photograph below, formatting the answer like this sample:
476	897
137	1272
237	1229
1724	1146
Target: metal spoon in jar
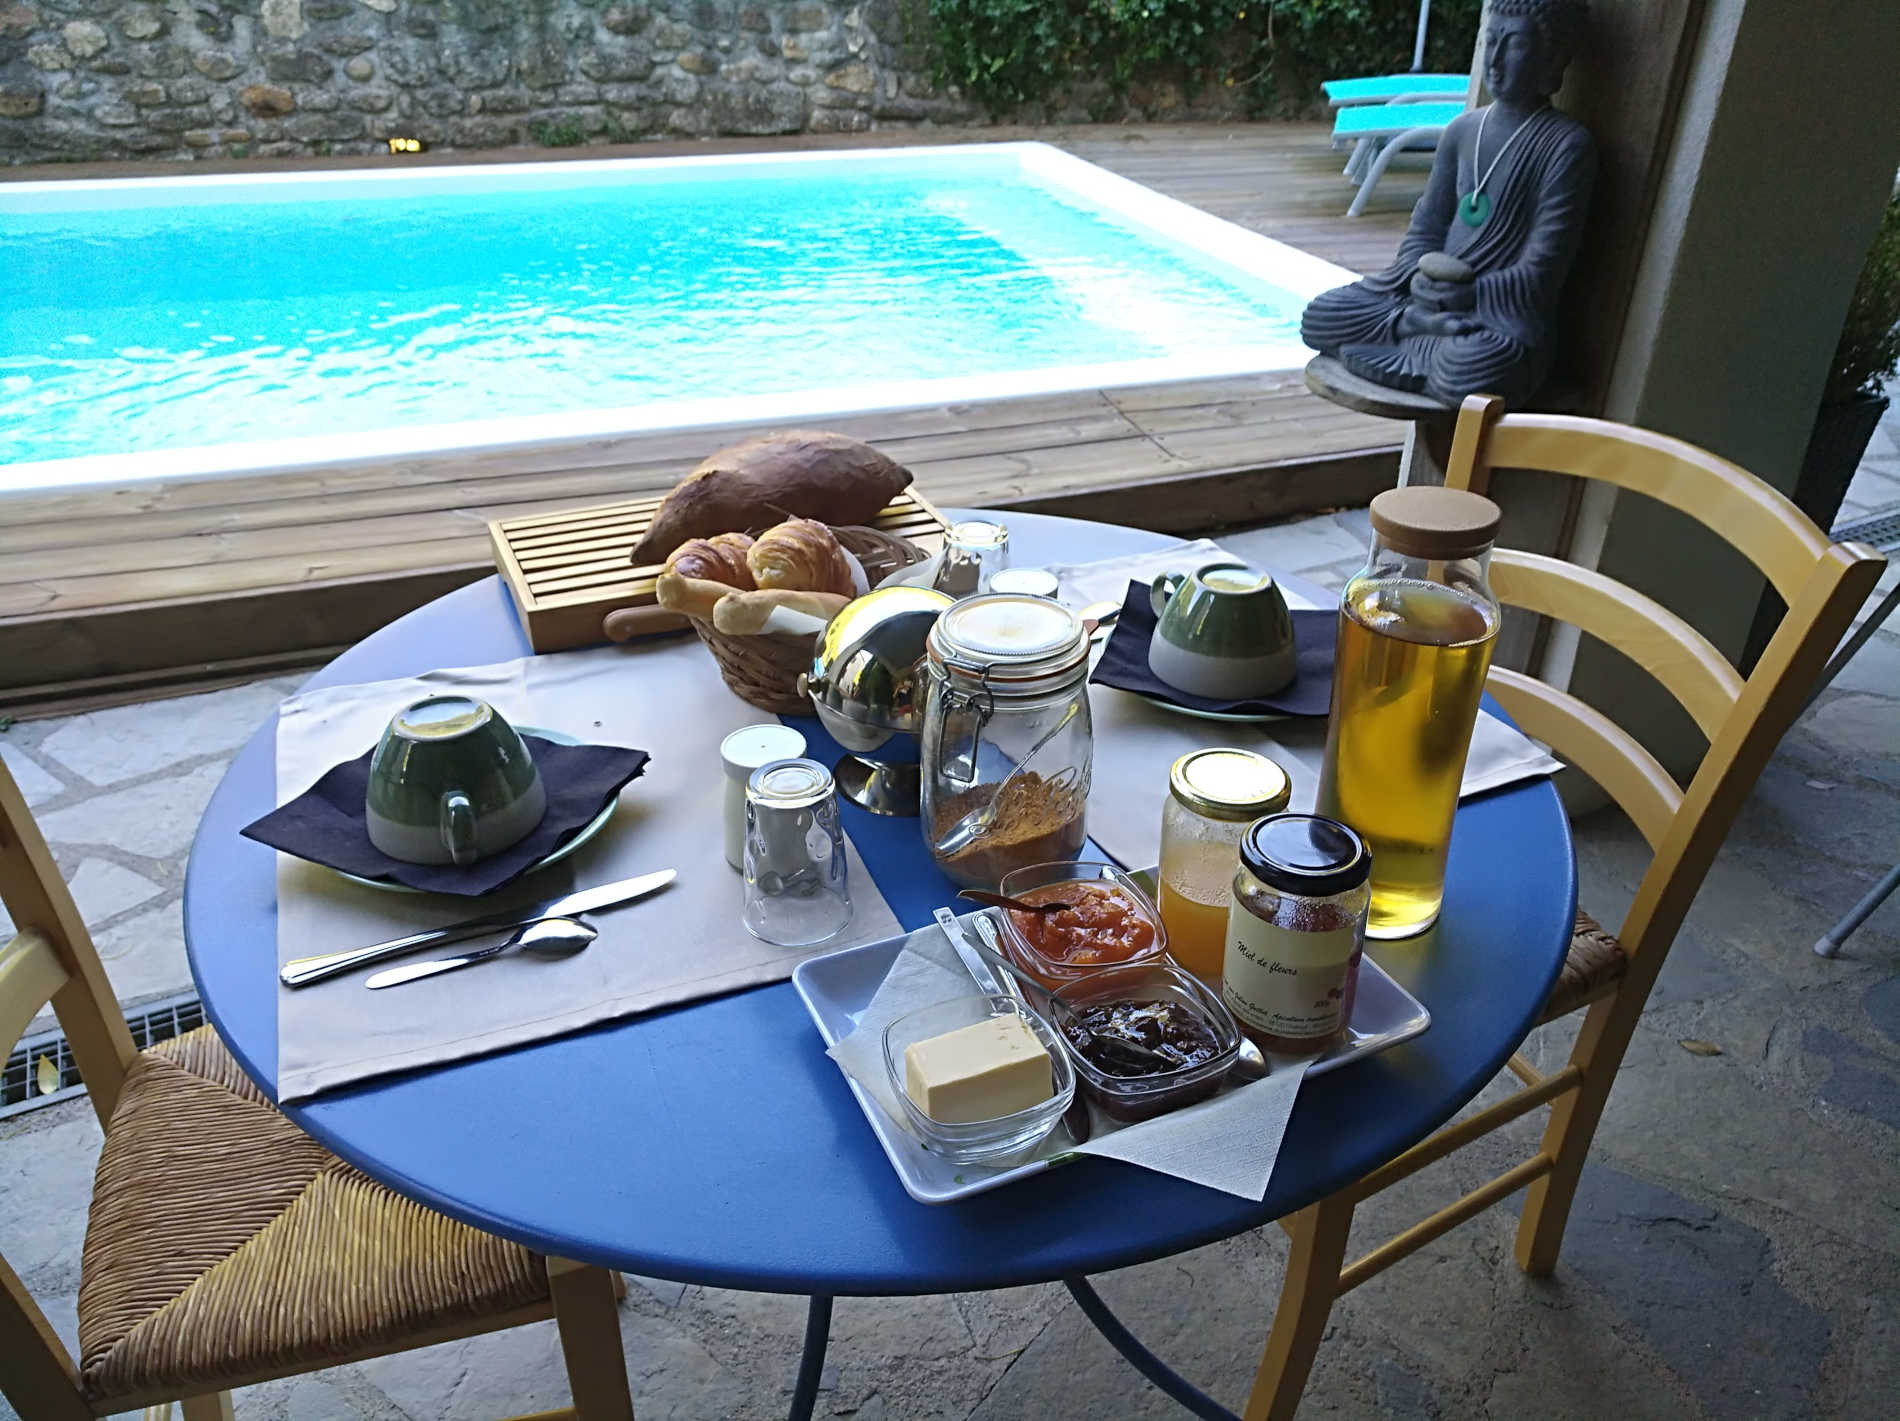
977	822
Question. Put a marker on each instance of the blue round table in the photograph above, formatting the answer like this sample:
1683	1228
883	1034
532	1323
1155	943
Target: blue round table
717	1144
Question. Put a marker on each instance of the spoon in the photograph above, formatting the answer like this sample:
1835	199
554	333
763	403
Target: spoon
1251	1065
547	937
977	822
1083	1037
1003	900
1099	618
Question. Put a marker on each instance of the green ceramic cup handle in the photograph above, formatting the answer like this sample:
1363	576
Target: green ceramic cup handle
1161	591
458	827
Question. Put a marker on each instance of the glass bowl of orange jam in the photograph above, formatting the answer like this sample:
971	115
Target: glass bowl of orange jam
1111	921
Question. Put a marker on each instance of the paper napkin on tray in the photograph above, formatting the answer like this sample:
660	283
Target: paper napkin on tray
1230	1142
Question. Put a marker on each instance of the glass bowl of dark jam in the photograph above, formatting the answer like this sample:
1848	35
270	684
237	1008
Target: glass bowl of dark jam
1145	1038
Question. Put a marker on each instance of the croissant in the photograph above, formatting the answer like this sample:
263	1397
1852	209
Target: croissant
803	556
719	559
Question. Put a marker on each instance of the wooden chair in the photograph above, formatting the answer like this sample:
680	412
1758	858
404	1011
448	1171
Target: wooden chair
1823	584
224	1246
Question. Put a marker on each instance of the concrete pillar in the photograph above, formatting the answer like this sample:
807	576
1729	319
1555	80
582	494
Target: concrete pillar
1783	154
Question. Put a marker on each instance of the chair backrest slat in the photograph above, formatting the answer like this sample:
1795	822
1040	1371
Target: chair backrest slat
1777	689
50	958
38	901
1595	744
1823	584
30	973
1659	641
36	1371
1761	523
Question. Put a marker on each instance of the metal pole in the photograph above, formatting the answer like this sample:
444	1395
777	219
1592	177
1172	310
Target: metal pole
811	1363
1418	49
1144	1361
1831	940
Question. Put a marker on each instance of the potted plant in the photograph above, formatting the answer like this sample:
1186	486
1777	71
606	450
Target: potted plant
1865	359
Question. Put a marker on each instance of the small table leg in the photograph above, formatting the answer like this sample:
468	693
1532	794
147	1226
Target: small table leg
1144	1361
811	1362
1427	451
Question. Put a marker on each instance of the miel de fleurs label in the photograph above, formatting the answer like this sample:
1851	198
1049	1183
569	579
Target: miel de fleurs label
1283	982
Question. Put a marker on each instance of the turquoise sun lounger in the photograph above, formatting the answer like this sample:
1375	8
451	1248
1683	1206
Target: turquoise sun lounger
1380	131
1384	88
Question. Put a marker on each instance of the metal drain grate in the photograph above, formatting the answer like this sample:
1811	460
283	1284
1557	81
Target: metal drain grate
19	1079
1880	530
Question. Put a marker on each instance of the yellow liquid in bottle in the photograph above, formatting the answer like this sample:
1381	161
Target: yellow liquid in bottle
1194	914
1407	677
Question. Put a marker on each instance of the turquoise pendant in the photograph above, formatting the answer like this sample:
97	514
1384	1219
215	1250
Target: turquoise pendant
1473	208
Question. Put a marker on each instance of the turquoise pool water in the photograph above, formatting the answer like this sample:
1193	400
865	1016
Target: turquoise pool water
225	319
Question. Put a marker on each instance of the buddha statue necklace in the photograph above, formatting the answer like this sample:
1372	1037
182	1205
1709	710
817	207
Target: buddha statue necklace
1475	205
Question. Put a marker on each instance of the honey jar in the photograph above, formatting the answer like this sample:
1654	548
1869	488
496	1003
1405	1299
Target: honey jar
1213	795
1296	931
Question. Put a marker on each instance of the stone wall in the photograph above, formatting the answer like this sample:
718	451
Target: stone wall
90	79
106	79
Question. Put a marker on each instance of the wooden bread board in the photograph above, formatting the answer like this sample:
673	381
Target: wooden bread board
567	571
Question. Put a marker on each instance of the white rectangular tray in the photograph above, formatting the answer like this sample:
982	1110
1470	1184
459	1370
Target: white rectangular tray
838	986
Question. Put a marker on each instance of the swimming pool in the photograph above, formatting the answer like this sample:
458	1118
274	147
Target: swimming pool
180	327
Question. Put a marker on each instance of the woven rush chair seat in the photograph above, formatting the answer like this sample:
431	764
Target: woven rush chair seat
1594	962
225	1245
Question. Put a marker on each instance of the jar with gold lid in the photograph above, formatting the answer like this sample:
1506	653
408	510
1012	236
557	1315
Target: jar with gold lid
1213	795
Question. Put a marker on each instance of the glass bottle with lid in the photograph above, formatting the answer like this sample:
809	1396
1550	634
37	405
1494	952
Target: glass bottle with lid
1417	626
1213	795
1007	741
1296	931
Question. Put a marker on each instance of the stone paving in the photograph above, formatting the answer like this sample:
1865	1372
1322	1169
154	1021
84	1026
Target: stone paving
1735	1251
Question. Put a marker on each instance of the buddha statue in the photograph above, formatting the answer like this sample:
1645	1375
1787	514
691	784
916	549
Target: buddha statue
1470	303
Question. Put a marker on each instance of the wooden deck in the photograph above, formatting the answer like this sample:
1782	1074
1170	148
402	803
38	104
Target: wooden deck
109	590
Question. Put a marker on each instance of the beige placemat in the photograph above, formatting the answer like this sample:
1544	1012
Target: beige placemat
1136	743
680	945
1107	580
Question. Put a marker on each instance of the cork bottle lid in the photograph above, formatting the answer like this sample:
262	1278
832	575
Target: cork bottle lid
1425	521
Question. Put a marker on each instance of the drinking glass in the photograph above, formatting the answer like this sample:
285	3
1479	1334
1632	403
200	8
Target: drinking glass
796	893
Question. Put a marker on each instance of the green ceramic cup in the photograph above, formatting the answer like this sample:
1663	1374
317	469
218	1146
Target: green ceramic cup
1222	632
451	782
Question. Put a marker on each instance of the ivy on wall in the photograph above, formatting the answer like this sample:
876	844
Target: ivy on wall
1007	54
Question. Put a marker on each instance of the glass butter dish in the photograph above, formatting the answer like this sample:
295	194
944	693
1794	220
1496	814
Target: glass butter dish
979	1140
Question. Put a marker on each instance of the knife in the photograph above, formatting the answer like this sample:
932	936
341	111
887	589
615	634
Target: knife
986	980
302	971
1076	1117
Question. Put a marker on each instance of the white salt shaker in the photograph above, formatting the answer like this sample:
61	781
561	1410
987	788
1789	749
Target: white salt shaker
742	752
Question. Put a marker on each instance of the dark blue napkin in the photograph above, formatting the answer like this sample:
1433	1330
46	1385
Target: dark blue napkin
325	823
1124	663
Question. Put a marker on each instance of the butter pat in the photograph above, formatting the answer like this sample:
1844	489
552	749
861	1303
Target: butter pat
978	1072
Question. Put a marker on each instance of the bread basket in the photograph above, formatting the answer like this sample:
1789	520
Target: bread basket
763	671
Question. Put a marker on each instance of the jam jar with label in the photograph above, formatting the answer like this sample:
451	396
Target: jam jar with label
1296	931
